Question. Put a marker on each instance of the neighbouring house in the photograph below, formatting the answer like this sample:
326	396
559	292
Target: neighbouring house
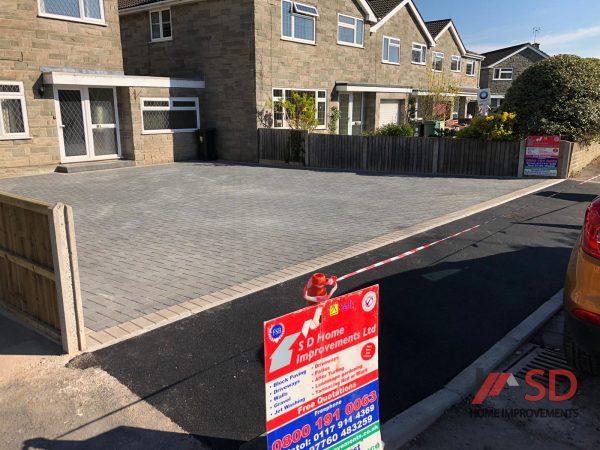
501	67
64	97
369	58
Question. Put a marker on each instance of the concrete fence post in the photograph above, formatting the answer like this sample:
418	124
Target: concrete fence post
521	159
68	291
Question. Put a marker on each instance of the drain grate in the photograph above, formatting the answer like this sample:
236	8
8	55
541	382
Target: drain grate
546	359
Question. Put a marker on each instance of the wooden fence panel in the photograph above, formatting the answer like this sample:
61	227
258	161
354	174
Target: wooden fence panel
33	286
336	152
407	155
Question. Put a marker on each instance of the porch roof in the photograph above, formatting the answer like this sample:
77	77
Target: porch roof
118	80
344	86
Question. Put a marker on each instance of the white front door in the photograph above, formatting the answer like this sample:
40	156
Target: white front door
389	112
88	123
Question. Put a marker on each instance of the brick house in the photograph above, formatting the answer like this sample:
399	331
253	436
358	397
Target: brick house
366	57
501	67
64	97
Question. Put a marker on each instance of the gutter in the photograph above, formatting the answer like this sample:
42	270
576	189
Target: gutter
155	5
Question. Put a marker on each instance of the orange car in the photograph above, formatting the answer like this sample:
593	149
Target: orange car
582	297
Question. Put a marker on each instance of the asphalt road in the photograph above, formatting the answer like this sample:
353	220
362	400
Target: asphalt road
440	310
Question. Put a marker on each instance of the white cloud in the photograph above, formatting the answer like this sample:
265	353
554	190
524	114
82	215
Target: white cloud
572	36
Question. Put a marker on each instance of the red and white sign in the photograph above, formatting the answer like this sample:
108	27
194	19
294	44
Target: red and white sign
541	156
321	372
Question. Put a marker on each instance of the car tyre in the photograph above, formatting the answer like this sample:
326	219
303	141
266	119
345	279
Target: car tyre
579	358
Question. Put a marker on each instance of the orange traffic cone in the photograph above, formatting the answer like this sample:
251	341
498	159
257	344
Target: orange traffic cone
315	290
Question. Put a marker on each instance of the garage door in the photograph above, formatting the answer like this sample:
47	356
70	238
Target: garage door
389	112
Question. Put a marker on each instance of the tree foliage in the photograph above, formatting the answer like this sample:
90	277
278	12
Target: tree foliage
497	127
560	95
438	104
393	129
301	112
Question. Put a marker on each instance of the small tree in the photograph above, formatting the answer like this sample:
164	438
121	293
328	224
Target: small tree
438	104
301	112
559	95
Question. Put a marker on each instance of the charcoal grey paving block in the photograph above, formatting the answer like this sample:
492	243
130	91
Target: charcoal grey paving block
140	229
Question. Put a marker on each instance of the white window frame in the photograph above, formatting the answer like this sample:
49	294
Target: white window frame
162	31
437	55
81	18
390	44
471	62
4	136
454	58
170	108
423	49
499	71
354	28
293	27
317	101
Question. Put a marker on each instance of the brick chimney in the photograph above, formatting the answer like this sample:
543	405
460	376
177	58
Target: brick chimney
536	45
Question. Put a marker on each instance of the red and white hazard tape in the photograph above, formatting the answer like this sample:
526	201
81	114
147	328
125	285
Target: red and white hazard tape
405	254
590	180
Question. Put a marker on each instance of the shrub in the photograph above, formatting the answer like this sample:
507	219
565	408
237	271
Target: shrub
393	129
334	117
560	95
497	127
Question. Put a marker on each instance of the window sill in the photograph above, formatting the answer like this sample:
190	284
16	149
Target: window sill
470	75
438	71
390	63
501	79
299	41
348	44
188	130
153	41
418	63
22	137
101	23
456	71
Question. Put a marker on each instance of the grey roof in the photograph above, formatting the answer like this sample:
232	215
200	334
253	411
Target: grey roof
124	4
435	27
494	56
382	8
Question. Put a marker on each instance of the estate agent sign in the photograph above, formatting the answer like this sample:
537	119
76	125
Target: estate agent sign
541	156
321	364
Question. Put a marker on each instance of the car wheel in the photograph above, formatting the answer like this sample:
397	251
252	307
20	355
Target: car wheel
579	358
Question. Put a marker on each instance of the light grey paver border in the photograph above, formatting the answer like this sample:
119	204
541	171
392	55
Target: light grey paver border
406	426
132	328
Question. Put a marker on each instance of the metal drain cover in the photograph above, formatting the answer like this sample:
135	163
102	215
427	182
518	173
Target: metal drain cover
545	359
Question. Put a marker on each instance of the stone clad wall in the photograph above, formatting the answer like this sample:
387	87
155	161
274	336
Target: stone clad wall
29	42
582	156
212	40
519	63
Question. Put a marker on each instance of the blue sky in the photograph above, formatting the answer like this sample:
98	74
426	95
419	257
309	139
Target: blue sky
567	26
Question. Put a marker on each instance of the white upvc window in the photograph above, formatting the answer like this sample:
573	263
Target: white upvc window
437	62
471	67
89	11
281	94
391	50
503	74
160	25
170	115
419	54
13	111
455	63
351	31
298	22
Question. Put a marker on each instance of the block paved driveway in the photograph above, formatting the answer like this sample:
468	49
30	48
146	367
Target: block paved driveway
152	237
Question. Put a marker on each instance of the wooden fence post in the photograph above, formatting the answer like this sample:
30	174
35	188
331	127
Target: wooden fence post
66	271
307	149
364	164
435	158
